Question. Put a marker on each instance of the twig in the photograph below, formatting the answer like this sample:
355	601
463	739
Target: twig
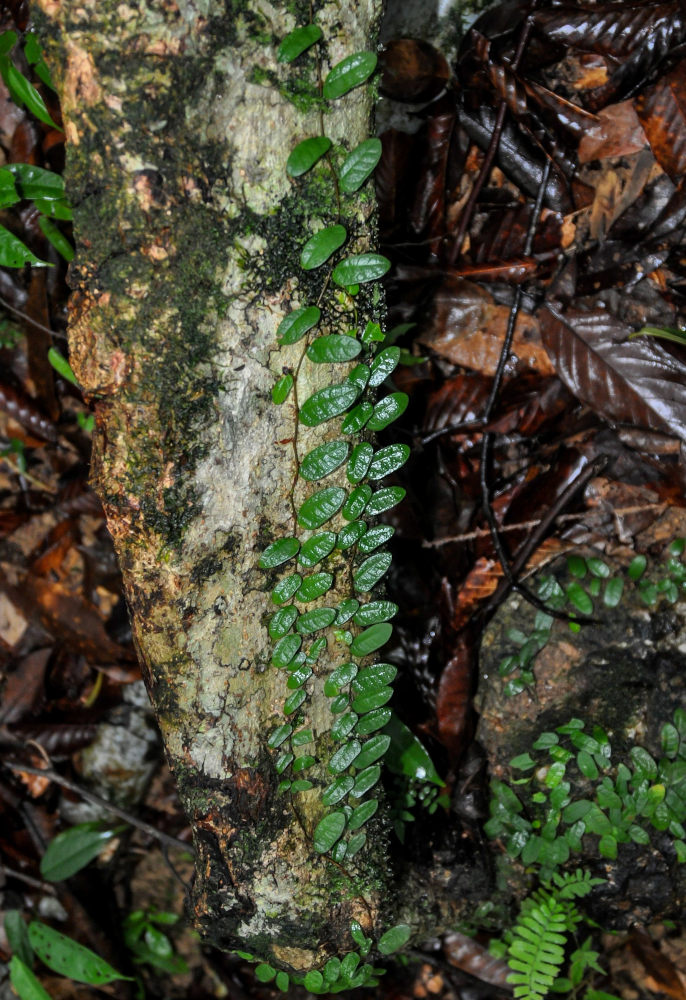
35	883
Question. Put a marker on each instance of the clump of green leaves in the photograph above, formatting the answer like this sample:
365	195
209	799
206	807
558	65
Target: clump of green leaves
624	801
149	944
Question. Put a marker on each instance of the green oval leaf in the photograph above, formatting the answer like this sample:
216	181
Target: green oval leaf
387	410
359	377
357	418
285	650
314	980
323	459
375	611
356	502
298	41
296	324
349	73
280	735
356	843
371	639
613	592
304	156
264	973
387	460
344	725
359	164
384	363
281	389
314	586
385	499
374	678
286	588
317	548
577	596
373	749
376	719
371	571
332	348
362	814
374	699
344	756
365	780
375	537
313	621
279	552
319	247
24	93
337	790
280	623
359	462
394	939
293	703
73	849
328	403
328	831
339	678
350	534
65	956
320	507
24	982
360	268
346	609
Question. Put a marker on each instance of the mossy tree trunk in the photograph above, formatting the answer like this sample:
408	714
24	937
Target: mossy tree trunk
179	121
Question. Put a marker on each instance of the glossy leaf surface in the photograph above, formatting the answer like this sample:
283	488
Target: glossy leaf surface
359	164
296	324
314	620
350	534
384	499
320	507
65	956
304	156
371	571
332	348
319	247
388	460
286	588
298	41
328	831
356	502
317	548
349	73
314	586
323	459
375	537
371	639
383	365
359	462
387	410
360	268
279	552
375	611
328	403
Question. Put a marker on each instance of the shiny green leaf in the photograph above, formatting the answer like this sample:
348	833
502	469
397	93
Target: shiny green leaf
394	939
317	548
313	621
319	247
384	364
320	507
613	592
384	499
301	785
337	790
23	92
304	156
339	678
283	761
374	720
349	73
344	756
333	348
359	462
296	324
372	750
644	765
297	677
56	237
362	814
356	843
298	41
14	253
407	756
302	763
281	389
387	410
374	678
359	377
344	725
314	980
359	164
327	403
73	849
68	958
371	571
24	983
350	534
293	703
375	537
18	936
360	268
314	586
637	567
280	623
365	780
286	588
375	611
323	460
374	699
280	735
387	460
264	973
346	609
371	639
279	552
357	418
356	502
302	738
285	650
577	596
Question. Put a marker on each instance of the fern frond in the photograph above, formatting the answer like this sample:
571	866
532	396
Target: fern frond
571	885
537	950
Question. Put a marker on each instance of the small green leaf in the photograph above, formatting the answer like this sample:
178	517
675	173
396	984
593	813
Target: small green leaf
338	789
374	699
264	973
359	164
387	410
296	324
282	978
577	596
371	639
314	586
373	721
384	499
344	756
283	761
383	365
359	377
577	566
56	237
637	567
376	611
324	459
347	74
73	849
357	418
296	42
365	780
669	739
314	980
328	831
607	845
332	970
375	537
388	460
281	389
280	735
344	725
60	363
372	750
24	93
327	403
302	763
313	621
356	502
586	765
293	703
350	534
577	810
285	650
407	755
598	568
18	936
339	678
321	246
279	552
359	462
394	939
362	814
371	571
304	156
286	588
24	982
347	608
613	592
644	765
317	548
321	507
523	762
333	348
68	958
360	268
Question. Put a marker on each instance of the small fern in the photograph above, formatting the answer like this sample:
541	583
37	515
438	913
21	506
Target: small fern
539	938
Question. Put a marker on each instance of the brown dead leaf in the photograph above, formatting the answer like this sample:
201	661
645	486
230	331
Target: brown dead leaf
617	133
468	954
661	974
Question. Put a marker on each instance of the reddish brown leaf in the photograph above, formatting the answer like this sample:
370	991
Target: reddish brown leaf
617	132
26	411
460	400
412	70
662	110
629	381
468	954
24	686
481	581
663	976
453	703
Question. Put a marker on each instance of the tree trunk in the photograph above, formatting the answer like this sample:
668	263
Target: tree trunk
179	120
